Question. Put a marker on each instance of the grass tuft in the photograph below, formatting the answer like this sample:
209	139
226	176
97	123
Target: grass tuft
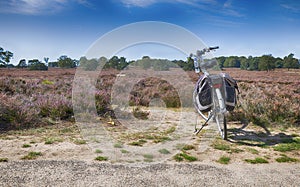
148	157
31	156
101	158
3	159
252	150
79	141
124	151
26	145
285	158
164	151
118	145
98	151
222	147
138	143
223	160
257	160
184	156
187	147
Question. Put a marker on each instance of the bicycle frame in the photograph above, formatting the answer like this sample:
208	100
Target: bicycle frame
217	86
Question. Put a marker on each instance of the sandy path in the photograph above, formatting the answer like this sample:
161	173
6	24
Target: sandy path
80	173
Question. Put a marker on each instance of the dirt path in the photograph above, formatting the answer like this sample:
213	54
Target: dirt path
65	159
79	173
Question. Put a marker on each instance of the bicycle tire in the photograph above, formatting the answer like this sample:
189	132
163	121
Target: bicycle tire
202	114
222	125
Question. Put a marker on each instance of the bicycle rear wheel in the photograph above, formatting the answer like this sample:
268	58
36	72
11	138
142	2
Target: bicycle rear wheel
222	126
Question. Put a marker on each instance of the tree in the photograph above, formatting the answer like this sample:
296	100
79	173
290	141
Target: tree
22	64
92	64
232	61
35	64
278	63
1	55
253	63
244	63
221	61
46	59
291	62
65	62
266	62
5	57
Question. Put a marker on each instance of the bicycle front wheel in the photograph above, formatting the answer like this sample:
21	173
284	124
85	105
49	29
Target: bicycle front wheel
222	126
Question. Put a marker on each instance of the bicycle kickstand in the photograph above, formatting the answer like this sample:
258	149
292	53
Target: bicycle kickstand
205	124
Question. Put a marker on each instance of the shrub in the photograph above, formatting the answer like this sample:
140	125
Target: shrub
57	107
38	66
16	113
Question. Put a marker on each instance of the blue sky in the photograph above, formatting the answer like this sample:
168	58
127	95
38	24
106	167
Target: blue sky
51	28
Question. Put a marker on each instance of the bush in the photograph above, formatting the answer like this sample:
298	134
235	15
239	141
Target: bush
38	66
16	113
57	107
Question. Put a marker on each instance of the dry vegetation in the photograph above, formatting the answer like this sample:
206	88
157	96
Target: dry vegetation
36	111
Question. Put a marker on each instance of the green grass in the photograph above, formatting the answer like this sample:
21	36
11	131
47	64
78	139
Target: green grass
118	145
101	158
26	145
178	157
257	160
51	140
98	151
31	156
252	150
148	157
184	156
124	151
285	147
187	147
235	150
3	159
79	141
223	160
164	151
222	147
285	158
138	143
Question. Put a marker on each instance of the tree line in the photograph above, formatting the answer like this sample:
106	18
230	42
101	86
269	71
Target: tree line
262	63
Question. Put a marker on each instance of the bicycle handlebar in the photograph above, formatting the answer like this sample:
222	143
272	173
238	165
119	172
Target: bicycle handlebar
198	60
213	48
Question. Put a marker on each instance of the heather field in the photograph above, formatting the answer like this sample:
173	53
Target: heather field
37	119
35	98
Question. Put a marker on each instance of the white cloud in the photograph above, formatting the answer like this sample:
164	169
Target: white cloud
145	3
210	5
36	7
292	7
139	3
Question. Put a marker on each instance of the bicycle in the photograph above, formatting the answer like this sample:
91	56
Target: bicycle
214	94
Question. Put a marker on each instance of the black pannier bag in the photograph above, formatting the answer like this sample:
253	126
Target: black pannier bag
203	98
230	95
